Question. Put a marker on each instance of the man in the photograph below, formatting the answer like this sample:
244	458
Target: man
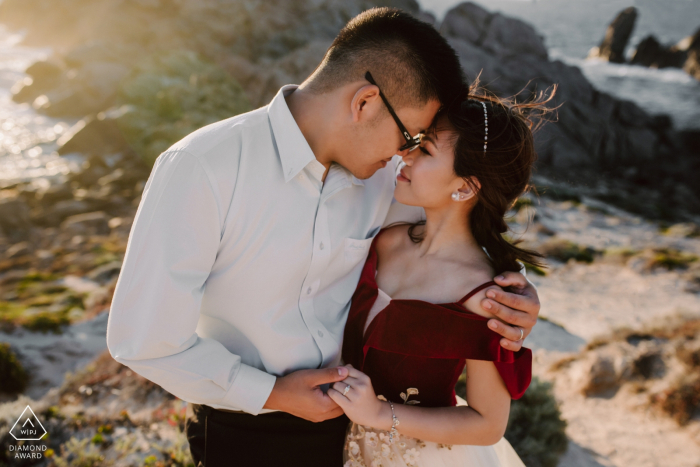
250	237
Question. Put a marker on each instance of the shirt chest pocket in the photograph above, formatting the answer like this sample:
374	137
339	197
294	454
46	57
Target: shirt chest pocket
348	266
355	251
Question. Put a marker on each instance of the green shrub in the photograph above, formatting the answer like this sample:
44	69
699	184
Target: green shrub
559	193
671	259
79	453
520	202
535	427
10	312
170	96
13	377
564	250
47	322
536	270
681	400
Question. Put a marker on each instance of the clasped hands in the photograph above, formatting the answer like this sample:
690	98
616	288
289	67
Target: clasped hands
300	393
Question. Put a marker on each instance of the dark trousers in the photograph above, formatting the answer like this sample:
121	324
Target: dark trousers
226	439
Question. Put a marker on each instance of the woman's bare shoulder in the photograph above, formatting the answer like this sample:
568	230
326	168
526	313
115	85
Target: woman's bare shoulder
393	238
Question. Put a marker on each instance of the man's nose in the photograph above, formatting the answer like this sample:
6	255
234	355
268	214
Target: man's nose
403	153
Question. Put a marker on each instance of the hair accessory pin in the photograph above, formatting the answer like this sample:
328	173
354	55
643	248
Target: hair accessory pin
486	126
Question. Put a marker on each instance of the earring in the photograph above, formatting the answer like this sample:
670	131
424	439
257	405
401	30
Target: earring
457	196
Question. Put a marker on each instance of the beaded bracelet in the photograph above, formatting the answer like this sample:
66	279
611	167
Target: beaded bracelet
394	423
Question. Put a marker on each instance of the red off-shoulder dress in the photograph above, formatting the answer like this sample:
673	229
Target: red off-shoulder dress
416	344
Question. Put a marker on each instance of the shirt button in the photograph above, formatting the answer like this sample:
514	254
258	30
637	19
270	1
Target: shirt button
308	291
321	246
320	334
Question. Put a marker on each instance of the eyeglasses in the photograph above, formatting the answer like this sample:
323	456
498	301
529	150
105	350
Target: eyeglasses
412	142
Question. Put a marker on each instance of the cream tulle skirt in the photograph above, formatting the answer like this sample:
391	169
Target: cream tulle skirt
367	447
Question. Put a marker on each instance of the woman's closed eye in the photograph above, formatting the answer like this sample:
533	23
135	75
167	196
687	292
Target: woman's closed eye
423	150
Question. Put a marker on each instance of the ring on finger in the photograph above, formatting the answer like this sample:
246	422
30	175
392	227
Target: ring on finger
347	388
522	334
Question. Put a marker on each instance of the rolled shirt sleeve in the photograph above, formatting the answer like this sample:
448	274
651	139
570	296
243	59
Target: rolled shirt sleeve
155	310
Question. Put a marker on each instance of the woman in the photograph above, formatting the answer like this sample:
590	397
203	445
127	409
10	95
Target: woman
409	333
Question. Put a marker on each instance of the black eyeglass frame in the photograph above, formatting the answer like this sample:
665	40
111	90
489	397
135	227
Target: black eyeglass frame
412	142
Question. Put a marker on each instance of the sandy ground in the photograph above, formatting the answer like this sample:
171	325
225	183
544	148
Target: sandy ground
582	301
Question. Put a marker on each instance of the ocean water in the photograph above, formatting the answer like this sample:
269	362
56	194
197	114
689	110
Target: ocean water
27	139
572	27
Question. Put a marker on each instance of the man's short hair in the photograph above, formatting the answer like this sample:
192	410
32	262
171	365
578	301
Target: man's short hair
408	58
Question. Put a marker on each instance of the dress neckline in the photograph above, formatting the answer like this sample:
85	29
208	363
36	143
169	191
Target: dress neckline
373	256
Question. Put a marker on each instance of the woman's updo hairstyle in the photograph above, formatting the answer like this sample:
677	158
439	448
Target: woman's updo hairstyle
503	170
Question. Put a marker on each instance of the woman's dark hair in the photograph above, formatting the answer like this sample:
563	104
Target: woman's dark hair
503	171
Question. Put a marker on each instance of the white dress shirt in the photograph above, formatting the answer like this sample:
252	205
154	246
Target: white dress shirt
241	262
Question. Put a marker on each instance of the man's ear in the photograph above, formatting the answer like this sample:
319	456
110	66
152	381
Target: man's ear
365	103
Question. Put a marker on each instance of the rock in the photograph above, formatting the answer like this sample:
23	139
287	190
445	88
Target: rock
618	34
507	37
106	272
598	375
495	33
18	249
92	170
86	90
653	54
95	136
466	21
58	212
427	17
91	223
692	64
44	75
55	193
14	216
92	52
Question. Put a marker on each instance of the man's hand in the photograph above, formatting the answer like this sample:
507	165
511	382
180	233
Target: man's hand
299	394
520	309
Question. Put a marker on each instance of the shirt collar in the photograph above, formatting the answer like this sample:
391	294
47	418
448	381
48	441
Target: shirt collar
295	152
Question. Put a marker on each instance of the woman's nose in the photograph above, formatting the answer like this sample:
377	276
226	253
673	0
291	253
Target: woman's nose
408	158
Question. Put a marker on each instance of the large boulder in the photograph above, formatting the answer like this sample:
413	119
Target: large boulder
44	75
99	136
493	32
84	91
90	223
593	128
617	36
692	64
14	216
650	52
